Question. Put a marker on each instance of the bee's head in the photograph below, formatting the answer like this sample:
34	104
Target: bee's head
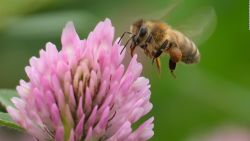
135	27
140	31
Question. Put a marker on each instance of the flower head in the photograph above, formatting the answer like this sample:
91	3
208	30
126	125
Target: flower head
83	92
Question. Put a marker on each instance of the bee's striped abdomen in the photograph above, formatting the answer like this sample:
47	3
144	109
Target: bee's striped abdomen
190	53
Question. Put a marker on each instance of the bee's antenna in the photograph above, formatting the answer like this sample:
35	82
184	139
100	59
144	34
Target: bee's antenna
123	35
127	43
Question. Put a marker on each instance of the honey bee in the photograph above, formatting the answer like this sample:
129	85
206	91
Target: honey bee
156	37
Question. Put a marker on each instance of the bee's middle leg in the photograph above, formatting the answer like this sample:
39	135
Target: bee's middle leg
158	64
165	45
159	51
145	46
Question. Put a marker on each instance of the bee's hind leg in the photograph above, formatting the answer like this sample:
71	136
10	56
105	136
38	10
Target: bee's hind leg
172	66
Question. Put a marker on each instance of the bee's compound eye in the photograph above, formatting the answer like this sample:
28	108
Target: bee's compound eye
143	31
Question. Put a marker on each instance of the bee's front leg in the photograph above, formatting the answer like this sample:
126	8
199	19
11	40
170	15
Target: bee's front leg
145	46
132	49
146	51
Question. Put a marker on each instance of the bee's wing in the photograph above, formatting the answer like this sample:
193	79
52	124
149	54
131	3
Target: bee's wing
159	14
200	25
165	12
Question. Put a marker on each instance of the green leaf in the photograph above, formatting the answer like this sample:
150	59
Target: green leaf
5	98
6	121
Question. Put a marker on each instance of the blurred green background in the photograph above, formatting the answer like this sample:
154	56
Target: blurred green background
203	97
